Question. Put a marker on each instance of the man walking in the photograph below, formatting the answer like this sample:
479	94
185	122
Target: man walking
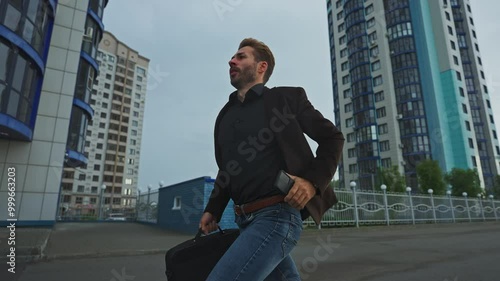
258	133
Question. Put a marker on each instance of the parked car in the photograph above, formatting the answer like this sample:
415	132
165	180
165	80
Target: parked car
116	217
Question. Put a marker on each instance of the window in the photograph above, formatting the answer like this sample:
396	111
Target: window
386	162
471	21
100	135
471	143
379	96
79	200
342	40
97	167
177	203
474	163
488	103
453	45
455	60
498	150
378	81
341	27
128	181
349	122
369	10
137	105
347	93
351	137
382	129
464	108
80	188
462	93
353	168
485	89
459	76
345	79
107	86
467	125
343	52
494	134
384	146
348	108
447	16
95	178
133	142
479	61
136	114
376	66
81	177
351	153
133	133
345	66
381	112
370	23
450	30
135	123
98	156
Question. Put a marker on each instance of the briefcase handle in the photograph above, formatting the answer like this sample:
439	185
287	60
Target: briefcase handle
200	232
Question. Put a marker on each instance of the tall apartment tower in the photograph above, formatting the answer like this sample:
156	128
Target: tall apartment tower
409	85
47	59
113	138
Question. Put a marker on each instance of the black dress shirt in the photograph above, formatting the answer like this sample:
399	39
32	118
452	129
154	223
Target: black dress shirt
250	153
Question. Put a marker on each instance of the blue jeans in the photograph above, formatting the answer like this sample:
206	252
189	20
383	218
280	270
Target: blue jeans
262	251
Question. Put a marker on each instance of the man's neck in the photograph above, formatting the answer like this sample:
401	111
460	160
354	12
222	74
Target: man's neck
244	90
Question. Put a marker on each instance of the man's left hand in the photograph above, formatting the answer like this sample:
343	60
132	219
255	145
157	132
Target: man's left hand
300	193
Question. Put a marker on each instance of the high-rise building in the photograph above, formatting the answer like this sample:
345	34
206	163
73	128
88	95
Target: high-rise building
409	85
113	137
47	66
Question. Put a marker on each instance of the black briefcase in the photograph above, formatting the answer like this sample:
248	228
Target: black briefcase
193	260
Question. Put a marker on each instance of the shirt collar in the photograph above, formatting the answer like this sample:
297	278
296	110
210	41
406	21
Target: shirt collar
254	92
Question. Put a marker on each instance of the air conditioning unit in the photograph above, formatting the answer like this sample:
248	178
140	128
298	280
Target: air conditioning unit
399	116
88	34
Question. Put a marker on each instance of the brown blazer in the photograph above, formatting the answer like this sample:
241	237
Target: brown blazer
290	115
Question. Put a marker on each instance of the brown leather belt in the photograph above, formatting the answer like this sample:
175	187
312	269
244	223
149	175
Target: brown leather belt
258	204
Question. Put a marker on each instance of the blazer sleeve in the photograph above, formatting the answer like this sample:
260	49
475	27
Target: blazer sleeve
219	196
330	142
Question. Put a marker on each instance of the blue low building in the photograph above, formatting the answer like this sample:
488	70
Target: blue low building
180	206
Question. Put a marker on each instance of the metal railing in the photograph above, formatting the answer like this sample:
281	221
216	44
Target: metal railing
147	206
383	208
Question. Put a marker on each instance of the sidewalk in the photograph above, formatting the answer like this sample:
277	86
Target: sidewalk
30	243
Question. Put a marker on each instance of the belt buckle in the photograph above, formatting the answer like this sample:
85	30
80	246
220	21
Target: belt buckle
240	207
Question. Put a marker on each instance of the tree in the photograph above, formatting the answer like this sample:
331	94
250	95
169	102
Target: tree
495	191
391	177
464	181
430	176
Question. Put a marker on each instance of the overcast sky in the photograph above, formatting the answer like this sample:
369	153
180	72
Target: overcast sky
189	44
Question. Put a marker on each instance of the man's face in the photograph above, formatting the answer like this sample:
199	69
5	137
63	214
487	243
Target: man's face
243	68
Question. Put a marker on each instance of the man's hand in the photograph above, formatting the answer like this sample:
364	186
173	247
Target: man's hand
300	193
208	223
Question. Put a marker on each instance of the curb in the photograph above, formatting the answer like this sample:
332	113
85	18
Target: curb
47	258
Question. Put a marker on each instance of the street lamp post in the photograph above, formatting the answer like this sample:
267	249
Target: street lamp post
384	188
149	194
408	190
494	207
464	194
103	187
355	200
451	205
430	191
479	195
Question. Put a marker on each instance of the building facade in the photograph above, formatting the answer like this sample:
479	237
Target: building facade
113	138
47	57
409	85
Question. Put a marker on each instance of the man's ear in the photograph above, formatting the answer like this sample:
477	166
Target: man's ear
262	67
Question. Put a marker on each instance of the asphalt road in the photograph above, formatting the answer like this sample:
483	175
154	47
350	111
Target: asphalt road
451	252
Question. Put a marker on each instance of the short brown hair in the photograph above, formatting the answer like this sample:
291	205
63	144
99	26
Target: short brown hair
261	53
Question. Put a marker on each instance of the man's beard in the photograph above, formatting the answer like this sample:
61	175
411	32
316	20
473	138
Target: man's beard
245	77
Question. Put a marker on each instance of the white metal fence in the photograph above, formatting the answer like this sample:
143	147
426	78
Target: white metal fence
379	208
147	206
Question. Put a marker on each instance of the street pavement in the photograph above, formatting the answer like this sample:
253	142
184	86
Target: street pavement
132	252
